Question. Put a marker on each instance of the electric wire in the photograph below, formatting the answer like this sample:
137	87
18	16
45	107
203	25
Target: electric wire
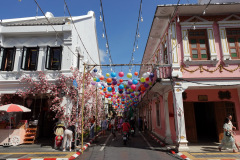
137	32
57	34
78	32
105	31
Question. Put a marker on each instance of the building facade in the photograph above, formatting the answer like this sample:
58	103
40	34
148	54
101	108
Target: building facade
44	44
190	99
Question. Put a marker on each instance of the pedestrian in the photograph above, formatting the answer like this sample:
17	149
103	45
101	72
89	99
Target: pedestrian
113	127
233	128
228	140
104	126
92	125
145	124
120	122
68	136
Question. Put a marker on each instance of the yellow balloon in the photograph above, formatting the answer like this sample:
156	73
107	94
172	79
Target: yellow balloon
107	74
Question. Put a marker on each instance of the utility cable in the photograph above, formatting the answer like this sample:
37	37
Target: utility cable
77	32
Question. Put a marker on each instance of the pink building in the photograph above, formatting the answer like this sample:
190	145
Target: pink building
189	100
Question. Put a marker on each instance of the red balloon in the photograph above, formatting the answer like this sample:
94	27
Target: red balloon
121	80
101	78
109	80
135	73
147	79
121	74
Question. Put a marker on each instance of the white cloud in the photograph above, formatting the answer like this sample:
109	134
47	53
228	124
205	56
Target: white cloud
103	55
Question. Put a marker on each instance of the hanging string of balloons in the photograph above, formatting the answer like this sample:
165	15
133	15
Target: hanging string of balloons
122	93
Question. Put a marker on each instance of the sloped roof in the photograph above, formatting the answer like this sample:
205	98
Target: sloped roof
38	22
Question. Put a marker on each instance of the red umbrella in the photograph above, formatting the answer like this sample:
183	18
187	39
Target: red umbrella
14	108
10	108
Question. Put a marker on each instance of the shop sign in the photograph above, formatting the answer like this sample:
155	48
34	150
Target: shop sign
202	98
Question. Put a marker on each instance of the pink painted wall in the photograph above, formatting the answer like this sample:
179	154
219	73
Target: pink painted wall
206	74
192	96
160	130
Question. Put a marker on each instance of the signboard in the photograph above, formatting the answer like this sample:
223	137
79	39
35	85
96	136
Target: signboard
75	83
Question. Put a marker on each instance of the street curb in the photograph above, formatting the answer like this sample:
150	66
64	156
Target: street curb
71	158
171	151
84	148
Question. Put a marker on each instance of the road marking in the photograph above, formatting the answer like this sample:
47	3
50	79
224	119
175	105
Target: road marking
149	145
102	148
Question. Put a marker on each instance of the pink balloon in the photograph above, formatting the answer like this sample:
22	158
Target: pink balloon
121	74
133	86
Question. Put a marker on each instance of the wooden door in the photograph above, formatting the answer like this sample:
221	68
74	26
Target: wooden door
190	122
220	115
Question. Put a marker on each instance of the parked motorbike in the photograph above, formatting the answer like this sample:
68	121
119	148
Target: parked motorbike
125	138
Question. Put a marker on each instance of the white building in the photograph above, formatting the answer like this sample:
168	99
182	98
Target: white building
29	45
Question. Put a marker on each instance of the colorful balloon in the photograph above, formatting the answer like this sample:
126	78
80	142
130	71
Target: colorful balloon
130	82
109	89
129	75
135	81
142	79
121	86
113	74
133	86
107	74
109	80
95	70
136	73
97	80
121	74
101	78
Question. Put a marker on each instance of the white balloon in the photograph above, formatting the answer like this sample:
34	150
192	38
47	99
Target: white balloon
99	85
105	85
145	75
148	73
99	75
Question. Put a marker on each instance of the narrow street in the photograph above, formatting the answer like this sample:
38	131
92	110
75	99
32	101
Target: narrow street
139	147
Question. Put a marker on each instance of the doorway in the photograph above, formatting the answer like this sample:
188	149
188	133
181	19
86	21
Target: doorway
205	122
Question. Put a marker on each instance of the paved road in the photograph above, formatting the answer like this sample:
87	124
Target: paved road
140	147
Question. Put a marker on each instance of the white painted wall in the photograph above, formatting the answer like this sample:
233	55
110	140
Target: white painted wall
43	36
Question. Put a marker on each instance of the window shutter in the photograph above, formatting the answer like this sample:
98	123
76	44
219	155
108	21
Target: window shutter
24	54
1	57
13	58
47	64
60	59
37	58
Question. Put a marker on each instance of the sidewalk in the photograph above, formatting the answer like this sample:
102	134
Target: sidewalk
38	151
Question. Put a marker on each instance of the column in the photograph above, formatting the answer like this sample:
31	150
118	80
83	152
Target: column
179	119
168	135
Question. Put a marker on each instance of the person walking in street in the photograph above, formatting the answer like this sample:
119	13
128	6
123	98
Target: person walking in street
113	126
104	126
92	125
233	128
120	122
228	140
68	135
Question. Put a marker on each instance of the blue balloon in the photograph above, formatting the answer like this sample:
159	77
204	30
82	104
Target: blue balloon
109	89
113	74
121	86
135	81
95	70
98	80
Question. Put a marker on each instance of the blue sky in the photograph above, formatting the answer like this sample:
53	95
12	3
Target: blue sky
120	16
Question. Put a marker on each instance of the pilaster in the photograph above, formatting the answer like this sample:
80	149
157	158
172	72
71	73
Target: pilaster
179	119
168	135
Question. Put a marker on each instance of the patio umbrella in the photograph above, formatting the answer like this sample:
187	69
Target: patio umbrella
14	108
11	108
